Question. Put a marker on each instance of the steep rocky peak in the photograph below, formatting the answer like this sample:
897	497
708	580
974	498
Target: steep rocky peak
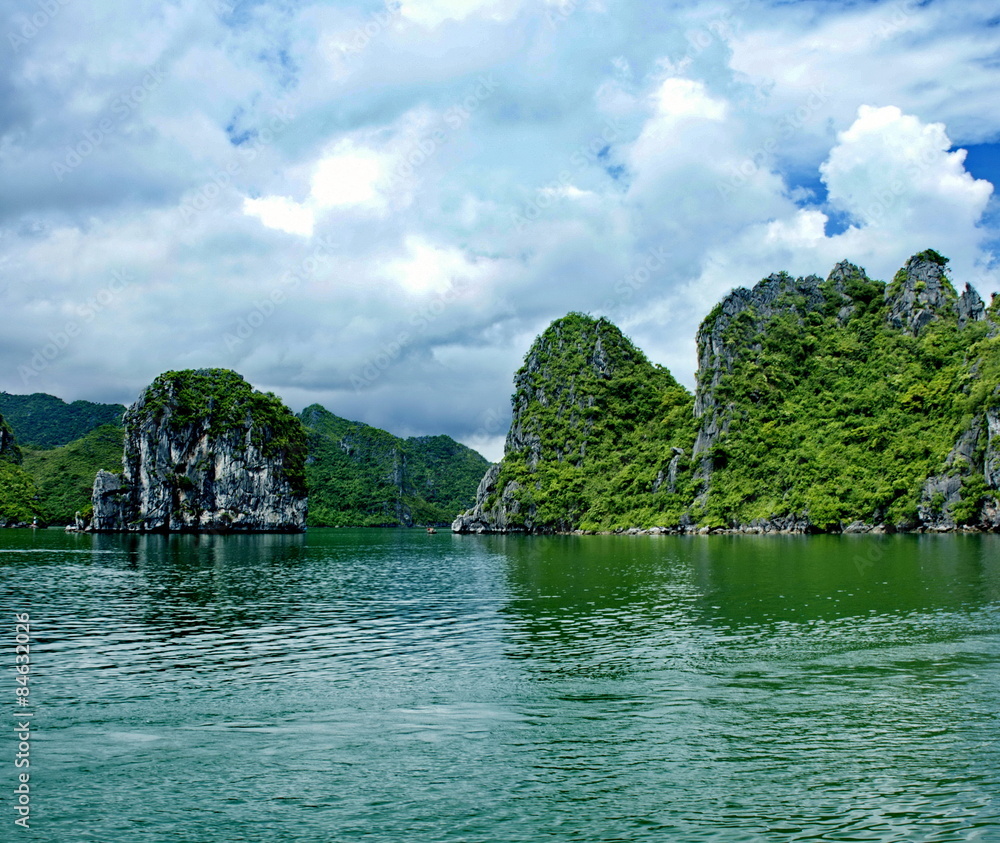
921	293
970	307
744	313
562	370
844	272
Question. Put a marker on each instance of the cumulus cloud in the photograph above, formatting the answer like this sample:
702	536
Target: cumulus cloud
891	171
368	207
282	213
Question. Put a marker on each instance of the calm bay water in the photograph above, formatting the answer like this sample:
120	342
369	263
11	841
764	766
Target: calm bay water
388	685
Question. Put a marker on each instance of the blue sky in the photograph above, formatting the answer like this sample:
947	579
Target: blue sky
377	207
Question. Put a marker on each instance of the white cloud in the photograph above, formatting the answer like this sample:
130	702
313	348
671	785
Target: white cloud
427	268
348	176
891	171
281	213
431	13
679	99
657	158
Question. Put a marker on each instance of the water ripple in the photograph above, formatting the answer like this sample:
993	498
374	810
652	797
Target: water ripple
386	685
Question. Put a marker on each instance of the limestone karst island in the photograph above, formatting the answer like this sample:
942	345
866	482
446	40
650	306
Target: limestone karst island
837	405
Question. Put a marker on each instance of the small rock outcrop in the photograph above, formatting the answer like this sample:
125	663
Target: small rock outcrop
495	511
205	452
967	489
921	293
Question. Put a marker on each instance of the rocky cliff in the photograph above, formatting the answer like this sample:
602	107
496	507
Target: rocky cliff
204	451
821	405
594	425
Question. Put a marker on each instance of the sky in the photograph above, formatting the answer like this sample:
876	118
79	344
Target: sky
378	207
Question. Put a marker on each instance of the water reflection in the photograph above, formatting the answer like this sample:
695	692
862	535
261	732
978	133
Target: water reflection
393	685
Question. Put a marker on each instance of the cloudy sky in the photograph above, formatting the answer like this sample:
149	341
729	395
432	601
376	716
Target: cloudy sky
377	207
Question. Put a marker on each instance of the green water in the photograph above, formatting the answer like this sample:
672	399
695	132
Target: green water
381	685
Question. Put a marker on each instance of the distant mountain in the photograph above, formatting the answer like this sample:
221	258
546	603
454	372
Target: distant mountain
823	405
359	475
44	421
64	476
18	495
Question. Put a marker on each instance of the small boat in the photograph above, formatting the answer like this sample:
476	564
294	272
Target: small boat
431	530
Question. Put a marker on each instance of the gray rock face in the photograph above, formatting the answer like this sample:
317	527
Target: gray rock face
970	307
497	518
976	453
943	491
197	475
921	293
744	314
991	468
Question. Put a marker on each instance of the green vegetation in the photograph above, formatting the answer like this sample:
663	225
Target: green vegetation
598	424
18	495
220	402
843	421
362	476
9	452
64	476
933	257
44	421
823	410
